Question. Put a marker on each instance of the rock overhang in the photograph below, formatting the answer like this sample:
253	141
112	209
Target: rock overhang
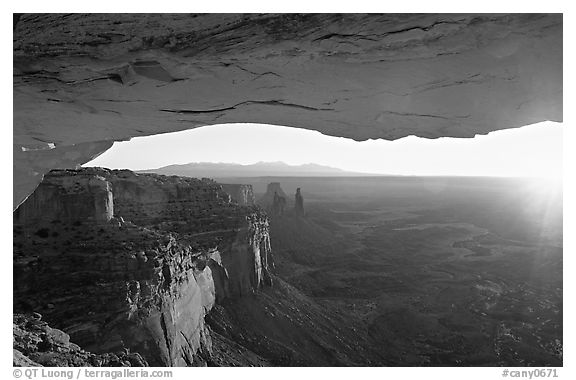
82	81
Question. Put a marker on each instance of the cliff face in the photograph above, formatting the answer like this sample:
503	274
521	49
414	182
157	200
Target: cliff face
118	286
241	194
145	279
248	271
81	197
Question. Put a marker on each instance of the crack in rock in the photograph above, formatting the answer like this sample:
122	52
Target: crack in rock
340	35
423	28
264	102
377	37
425	115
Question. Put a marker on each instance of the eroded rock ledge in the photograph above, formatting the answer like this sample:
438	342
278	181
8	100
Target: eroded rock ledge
120	260
83	81
36	344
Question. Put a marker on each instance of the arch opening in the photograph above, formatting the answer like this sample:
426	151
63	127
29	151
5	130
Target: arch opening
530	151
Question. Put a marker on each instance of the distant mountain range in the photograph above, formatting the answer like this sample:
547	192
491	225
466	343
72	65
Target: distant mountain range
259	169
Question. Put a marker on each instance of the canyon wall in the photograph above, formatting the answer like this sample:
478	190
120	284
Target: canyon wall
68	199
145	278
241	194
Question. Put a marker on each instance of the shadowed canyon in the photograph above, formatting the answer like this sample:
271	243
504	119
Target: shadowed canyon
367	271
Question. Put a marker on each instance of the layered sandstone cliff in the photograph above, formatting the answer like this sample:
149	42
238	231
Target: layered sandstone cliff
82	197
145	278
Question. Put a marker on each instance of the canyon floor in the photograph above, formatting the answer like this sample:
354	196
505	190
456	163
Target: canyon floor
414	272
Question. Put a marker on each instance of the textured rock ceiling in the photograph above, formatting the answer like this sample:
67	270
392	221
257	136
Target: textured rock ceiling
84	81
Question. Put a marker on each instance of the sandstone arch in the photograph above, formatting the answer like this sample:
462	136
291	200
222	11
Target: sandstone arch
84	81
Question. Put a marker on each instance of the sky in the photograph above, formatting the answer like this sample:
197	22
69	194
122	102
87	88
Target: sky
530	151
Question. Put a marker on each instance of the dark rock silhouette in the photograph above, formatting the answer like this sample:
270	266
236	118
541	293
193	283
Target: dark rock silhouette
278	204
274	200
299	205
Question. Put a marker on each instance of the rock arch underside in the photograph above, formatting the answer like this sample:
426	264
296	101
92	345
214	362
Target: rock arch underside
82	82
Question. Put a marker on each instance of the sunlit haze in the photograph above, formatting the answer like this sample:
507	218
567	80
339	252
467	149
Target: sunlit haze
530	151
